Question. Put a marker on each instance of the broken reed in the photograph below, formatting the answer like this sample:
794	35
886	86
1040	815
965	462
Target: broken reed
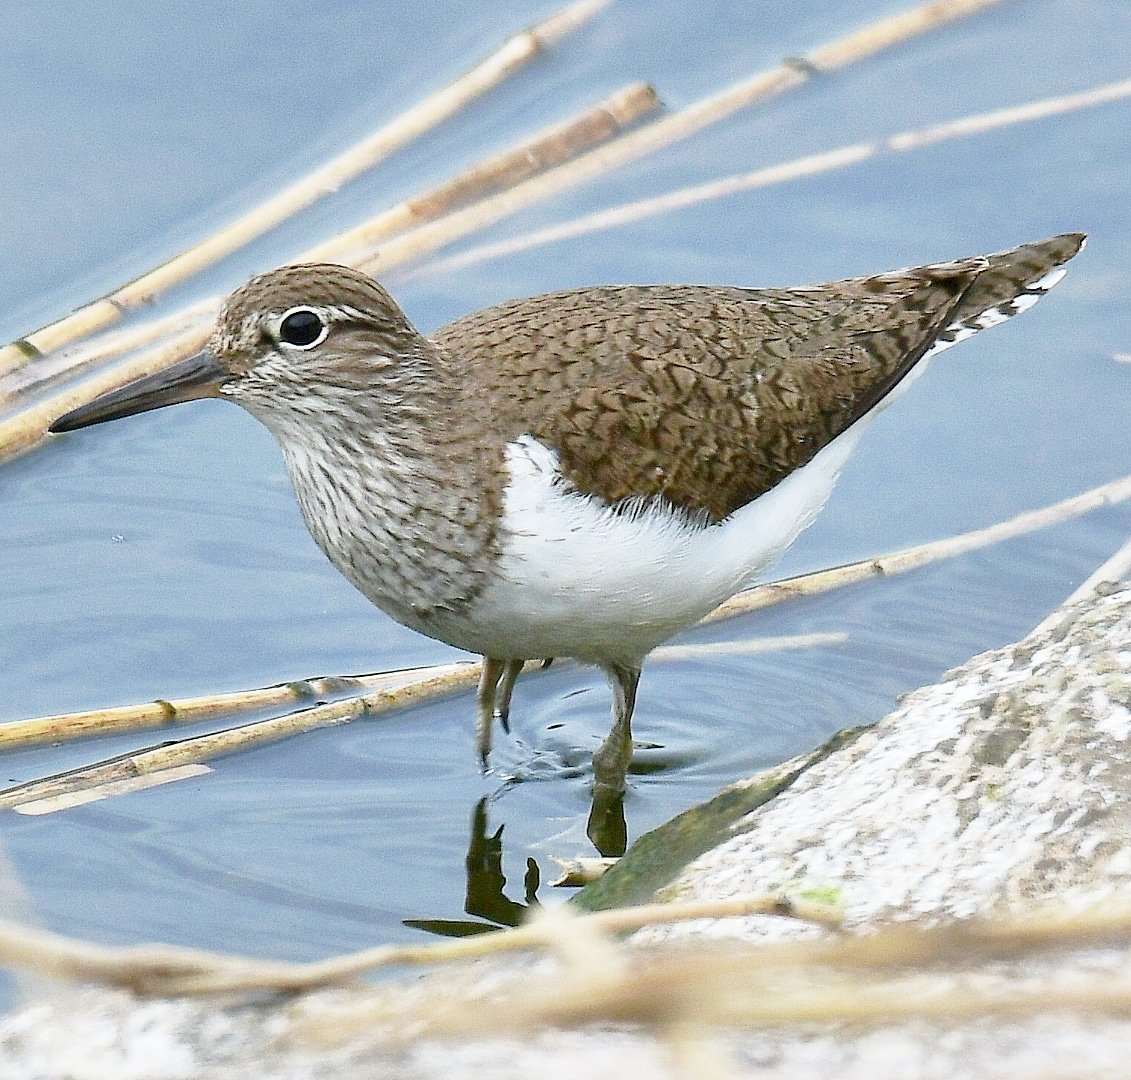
326	179
28	428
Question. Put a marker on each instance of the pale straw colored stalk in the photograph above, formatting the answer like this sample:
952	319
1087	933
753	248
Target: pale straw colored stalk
796	169
326	179
194	710
436	683
21	431
888	975
546	150
541	151
16	385
900	562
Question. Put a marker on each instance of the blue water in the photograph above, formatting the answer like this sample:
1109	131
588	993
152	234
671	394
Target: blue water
163	556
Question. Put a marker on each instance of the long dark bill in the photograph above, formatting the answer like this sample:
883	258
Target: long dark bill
194	377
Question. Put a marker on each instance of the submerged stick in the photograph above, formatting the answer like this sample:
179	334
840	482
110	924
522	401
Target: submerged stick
694	118
326	179
574	873
127	785
796	169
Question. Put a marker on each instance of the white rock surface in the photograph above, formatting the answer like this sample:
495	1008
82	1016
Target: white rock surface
1006	782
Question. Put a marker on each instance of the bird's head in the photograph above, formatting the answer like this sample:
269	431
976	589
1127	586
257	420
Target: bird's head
289	340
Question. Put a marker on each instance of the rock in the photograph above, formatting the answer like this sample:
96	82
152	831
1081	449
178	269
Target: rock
1007	782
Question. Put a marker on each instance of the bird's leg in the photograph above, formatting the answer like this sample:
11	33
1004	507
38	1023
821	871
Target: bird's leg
506	688
485	704
610	762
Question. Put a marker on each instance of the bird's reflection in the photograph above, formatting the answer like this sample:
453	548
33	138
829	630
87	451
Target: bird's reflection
485	878
485	898
606	827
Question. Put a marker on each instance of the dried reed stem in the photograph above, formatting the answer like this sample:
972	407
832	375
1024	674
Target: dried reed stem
689	121
545	150
203	748
744	646
541	151
894	974
725	985
796	169
900	562
165	969
27	428
161	713
47	370
326	179
721	994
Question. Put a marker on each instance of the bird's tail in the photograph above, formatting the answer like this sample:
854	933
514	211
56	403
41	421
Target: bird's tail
1011	282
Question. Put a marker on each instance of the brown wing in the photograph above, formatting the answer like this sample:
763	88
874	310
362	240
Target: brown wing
710	396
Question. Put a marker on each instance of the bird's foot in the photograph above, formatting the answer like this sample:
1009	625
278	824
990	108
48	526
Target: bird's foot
485	697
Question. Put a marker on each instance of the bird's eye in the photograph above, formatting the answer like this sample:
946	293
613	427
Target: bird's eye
302	327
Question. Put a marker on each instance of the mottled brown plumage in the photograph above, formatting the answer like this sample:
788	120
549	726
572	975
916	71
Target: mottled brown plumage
710	395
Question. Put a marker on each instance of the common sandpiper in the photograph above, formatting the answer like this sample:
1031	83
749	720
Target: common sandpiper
582	474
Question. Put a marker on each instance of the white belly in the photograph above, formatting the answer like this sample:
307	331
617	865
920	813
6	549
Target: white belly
578	579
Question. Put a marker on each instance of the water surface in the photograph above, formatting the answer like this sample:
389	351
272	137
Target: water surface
163	556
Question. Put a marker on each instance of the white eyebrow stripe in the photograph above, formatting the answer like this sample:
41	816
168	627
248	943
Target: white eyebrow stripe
342	313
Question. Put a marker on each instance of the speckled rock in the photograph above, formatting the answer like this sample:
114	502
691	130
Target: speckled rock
1006	782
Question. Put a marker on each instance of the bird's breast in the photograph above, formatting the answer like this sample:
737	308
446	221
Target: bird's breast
400	530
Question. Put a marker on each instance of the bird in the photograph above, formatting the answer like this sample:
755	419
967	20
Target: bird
584	473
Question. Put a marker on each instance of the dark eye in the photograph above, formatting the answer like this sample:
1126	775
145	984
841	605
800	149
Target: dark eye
302	327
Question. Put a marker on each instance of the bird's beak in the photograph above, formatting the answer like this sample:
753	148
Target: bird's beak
196	376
